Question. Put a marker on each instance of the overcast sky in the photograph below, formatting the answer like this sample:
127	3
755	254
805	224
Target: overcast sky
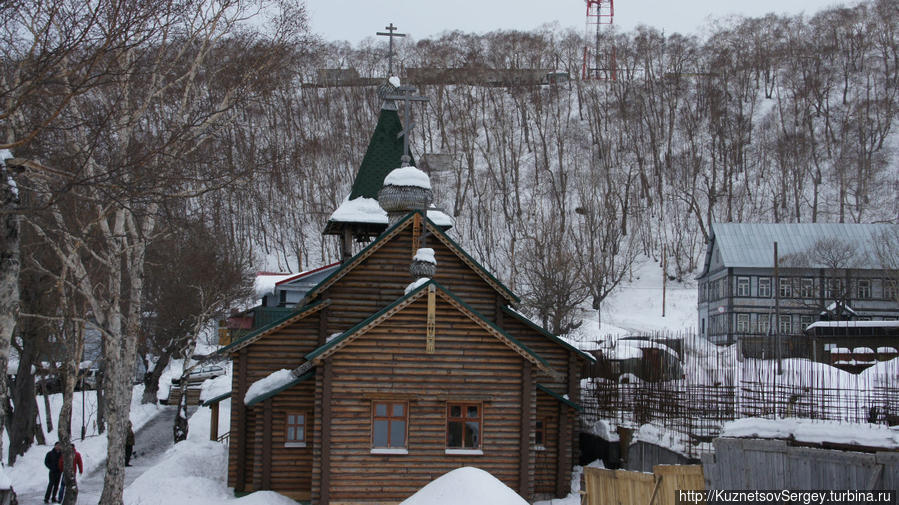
354	20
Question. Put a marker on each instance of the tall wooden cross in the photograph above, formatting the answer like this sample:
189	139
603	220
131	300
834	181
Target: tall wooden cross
390	29
405	93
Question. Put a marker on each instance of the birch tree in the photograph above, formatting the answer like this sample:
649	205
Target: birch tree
147	136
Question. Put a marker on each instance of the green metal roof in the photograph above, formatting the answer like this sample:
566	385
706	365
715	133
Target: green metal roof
217	399
562	399
384	154
543	331
414	294
289	385
512	296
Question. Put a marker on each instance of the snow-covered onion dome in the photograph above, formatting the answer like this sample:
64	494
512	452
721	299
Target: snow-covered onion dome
405	189
423	263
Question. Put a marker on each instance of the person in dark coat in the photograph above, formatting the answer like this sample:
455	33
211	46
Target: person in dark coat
79	465
51	461
129	444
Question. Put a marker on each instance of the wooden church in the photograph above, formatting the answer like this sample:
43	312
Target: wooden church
382	380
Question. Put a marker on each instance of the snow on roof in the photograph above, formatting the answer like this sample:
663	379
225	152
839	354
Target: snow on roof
465	486
359	210
408	176
669	439
862	350
440	218
854	324
751	244
268	384
633	349
833	306
367	210
265	282
414	285
394	81
886	350
425	254
213	388
813	431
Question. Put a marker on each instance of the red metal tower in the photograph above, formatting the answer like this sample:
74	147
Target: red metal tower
599	62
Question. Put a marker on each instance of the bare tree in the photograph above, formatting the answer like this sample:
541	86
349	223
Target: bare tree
552	277
147	136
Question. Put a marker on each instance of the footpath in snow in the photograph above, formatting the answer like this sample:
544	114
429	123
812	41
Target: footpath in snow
152	440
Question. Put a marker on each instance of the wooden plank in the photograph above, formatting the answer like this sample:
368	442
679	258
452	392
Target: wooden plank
214	422
325	494
267	444
237	404
527	390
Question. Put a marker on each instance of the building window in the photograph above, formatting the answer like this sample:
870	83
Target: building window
764	323
807	289
764	287
463	426
786	287
806	321
742	286
388	425
742	323
785	324
864	289
296	429
539	433
889	289
833	289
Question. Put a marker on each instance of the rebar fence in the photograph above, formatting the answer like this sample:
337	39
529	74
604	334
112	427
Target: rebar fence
718	385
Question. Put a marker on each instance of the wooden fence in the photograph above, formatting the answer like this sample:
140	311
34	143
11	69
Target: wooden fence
773	464
622	487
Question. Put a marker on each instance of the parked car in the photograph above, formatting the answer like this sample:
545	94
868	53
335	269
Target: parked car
201	374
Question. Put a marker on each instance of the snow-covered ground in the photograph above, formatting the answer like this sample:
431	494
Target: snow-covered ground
636	306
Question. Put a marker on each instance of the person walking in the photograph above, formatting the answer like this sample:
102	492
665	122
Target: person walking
79	465
129	444
51	461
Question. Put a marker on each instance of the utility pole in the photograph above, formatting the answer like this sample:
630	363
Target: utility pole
776	324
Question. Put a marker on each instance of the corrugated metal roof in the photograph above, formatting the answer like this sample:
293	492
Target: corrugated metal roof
752	244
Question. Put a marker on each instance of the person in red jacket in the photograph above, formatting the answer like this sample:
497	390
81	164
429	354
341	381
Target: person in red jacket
76	457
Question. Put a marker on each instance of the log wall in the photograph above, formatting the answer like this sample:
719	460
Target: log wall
547	459
283	349
469	365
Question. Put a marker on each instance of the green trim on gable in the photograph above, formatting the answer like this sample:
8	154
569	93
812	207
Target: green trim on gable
562	399
409	297
352	261
543	331
289	385
250	337
217	399
343	336
509	294
384	154
434	228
